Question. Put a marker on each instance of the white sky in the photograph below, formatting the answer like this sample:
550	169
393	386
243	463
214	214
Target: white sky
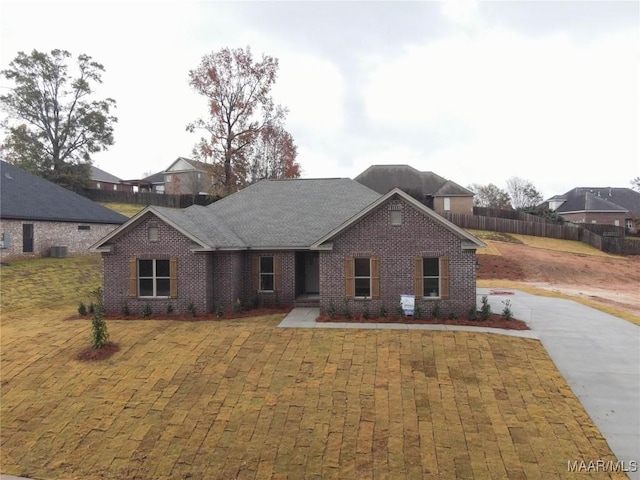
474	91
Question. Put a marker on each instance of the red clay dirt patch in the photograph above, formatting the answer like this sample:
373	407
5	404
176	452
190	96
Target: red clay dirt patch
90	354
608	280
494	321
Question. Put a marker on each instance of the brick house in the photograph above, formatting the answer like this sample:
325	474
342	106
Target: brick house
101	180
599	205
36	216
436	192
188	177
325	241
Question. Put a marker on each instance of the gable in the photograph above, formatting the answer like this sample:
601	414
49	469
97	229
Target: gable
180	165
419	216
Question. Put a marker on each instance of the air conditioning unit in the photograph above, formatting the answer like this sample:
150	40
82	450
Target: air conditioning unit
59	252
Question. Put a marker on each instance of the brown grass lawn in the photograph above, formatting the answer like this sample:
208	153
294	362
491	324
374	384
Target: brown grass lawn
245	399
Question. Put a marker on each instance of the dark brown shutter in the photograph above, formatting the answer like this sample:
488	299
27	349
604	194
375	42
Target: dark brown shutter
375	278
277	270
255	273
444	277
349	283
133	277
418	280
173	278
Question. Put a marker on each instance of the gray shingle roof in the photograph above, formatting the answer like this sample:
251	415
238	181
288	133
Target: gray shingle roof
601	199
384	178
283	213
98	175
24	196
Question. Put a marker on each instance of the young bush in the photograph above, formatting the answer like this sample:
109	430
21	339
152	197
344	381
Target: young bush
91	309
146	311
365	312
191	309
383	311
125	310
237	307
346	309
331	310
255	302
399	311
99	333
453	316
169	309
485	309
507	314
417	311
82	308
436	310
472	314
220	309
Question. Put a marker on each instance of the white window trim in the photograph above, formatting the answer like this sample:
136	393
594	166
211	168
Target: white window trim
355	277
154	277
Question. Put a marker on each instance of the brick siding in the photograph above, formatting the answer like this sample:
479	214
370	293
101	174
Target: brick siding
396	247
601	218
51	234
194	276
461	205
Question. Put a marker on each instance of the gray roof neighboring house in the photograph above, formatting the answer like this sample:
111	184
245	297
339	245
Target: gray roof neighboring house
24	196
98	175
384	178
600	199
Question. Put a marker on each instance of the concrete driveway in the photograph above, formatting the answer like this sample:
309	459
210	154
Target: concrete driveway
599	356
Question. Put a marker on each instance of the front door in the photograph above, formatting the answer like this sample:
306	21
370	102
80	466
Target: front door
27	237
312	272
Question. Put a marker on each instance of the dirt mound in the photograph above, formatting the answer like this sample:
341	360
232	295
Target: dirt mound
609	280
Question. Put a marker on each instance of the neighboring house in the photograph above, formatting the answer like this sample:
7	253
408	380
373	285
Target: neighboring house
603	205
436	192
188	177
36	216
326	240
153	183
101	180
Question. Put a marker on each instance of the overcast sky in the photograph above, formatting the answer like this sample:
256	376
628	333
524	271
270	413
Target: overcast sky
476	91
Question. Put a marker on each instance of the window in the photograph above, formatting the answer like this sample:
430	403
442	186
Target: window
154	278
396	217
616	223
27	238
447	204
84	227
362	277
430	277
267	274
115	187
98	185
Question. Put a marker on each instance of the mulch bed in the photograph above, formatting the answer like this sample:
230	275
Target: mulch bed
494	321
257	312
90	354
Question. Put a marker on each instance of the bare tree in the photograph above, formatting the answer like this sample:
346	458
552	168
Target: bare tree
522	192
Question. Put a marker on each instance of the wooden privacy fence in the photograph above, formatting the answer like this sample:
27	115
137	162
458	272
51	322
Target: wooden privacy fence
149	198
607	238
510	215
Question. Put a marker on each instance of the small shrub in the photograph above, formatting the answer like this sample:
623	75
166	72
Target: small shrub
82	308
191	309
436	310
485	309
125	310
276	299
346	309
237	307
255	301
507	314
399	310
219	309
473	313
453	316
383	311
417	311
99	333
91	309
331	310
169	309
365	312
146	311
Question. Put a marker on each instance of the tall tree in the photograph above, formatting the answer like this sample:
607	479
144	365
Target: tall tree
53	126
522	192
273	155
489	196
237	89
635	184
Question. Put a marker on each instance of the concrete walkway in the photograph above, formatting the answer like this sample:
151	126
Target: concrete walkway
598	354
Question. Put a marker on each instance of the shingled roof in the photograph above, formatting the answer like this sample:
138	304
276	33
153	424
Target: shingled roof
98	175
384	178
280	214
24	196
600	199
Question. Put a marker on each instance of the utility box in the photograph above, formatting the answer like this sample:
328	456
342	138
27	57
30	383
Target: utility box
59	252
